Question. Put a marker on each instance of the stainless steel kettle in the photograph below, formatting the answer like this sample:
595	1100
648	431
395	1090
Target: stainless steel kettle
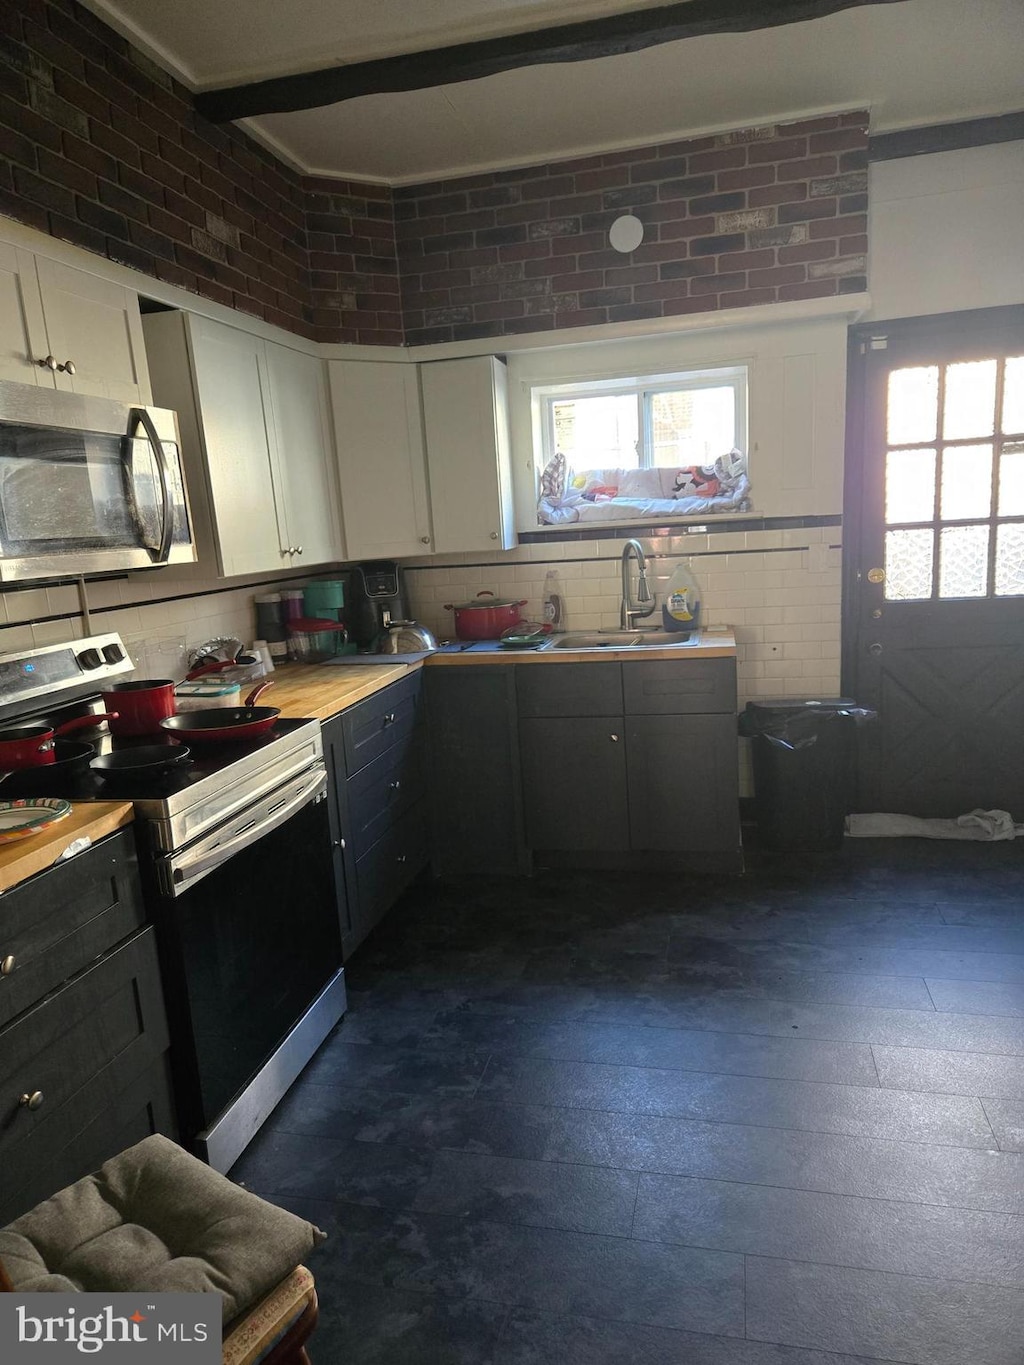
405	637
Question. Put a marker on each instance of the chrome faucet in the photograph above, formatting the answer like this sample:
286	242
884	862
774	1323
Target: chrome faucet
645	599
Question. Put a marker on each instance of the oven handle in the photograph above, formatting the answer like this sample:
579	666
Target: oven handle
198	867
140	417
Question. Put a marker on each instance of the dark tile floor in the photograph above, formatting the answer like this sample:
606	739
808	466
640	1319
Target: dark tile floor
585	1120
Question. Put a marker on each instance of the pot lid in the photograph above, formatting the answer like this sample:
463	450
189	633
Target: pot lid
484	601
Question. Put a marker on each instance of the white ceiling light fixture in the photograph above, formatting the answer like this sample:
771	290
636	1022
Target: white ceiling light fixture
626	233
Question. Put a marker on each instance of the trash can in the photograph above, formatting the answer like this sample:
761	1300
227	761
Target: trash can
803	750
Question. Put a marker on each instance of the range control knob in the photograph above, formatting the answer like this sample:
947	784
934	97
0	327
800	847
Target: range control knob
113	654
90	658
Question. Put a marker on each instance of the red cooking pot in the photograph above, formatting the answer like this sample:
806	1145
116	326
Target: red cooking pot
485	617
31	745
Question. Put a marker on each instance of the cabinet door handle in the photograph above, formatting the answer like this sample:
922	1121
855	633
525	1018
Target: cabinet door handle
389	719
494	535
50	363
7	965
402	858
298	549
68	367
424	540
338	843
395	786
614	739
31	1099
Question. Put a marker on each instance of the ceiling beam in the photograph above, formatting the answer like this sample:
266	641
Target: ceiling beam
579	42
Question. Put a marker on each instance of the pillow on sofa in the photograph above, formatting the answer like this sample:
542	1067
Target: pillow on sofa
156	1218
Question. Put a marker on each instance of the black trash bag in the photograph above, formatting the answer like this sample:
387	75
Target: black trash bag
795	722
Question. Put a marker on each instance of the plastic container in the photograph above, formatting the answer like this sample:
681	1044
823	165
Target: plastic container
681	609
313	640
803	751
325	599
199	696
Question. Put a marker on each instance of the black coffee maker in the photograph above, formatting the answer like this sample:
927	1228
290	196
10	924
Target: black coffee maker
376	597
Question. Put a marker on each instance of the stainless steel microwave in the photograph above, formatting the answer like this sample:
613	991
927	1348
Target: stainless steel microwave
88	485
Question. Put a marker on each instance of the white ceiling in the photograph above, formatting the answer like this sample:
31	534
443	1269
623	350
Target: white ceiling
912	63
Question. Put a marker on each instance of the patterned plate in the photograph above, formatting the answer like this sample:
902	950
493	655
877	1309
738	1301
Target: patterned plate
19	819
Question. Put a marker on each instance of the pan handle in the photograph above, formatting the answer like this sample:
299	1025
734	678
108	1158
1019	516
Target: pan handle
83	722
258	692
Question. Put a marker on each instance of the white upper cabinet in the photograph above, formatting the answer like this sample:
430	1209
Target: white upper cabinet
378	431
465	413
305	479
66	328
254	431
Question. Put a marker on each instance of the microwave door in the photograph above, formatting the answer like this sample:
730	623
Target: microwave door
156	495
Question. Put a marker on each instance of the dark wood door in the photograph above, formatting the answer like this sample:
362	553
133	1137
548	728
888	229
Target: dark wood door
934	612
683	783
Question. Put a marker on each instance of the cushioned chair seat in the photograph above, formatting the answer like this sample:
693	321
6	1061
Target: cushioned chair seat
156	1218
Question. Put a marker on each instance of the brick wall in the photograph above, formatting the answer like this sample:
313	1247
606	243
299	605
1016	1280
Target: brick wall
100	147
751	217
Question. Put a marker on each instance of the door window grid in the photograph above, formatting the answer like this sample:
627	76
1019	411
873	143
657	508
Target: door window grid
954	481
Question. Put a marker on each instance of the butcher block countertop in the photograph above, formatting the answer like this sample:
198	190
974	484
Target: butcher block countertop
322	690
90	819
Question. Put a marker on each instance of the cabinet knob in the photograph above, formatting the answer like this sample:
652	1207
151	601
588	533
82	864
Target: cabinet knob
401	858
338	843
494	535
68	367
614	739
389	719
50	363
7	965
425	540
285	550
31	1099
395	786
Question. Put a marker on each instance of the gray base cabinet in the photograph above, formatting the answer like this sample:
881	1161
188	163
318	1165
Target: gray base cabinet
597	764
376	763
84	1040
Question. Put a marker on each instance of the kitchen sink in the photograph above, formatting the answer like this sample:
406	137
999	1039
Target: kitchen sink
623	639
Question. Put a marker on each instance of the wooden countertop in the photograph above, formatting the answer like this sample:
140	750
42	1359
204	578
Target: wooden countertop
322	690
89	819
714	644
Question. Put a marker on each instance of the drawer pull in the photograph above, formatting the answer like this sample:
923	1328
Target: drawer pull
395	786
7	965
338	843
389	719
614	739
402	858
31	1100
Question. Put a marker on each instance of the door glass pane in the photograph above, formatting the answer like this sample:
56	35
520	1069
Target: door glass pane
963	561
966	482
970	399
908	565
913	396
909	485
597	433
692	426
1010	560
1013	396
1011	480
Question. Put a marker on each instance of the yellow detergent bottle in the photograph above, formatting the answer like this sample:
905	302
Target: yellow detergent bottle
681	608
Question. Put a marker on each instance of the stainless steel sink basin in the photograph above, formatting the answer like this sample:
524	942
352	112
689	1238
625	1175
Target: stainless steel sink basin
623	639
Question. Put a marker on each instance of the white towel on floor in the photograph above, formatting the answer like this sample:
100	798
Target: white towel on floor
976	824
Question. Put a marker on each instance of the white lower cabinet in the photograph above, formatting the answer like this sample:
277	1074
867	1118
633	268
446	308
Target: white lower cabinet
378	428
66	328
256	436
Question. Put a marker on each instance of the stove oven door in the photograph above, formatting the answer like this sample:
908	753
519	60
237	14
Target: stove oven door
252	960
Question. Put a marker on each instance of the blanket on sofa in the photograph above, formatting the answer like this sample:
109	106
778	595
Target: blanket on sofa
627	494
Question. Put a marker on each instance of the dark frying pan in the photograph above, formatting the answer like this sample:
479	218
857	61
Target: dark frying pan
219	724
144	760
70	762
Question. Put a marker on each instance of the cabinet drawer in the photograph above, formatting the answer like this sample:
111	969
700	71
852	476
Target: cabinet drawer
682	687
570	690
383	790
386	869
96	1033
59	921
379	723
101	1120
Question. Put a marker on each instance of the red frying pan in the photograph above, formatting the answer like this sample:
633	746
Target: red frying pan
220	724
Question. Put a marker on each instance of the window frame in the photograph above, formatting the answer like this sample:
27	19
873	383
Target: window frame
645	388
